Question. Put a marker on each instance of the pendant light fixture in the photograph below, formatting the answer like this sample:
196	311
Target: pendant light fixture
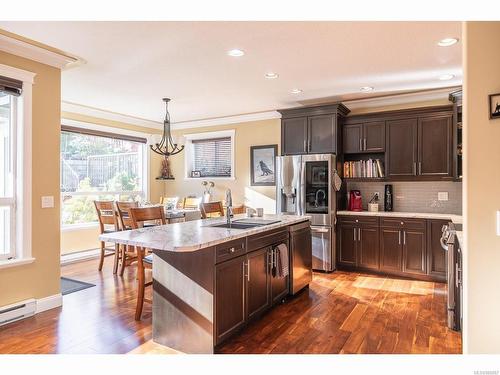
166	147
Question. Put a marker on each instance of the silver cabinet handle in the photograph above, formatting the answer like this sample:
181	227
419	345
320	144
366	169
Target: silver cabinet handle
399	237
248	270
359	234
404	237
419	167
305	146
232	250
360	144
415	168
364	148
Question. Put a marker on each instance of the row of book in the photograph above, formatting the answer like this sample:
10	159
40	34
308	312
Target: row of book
364	169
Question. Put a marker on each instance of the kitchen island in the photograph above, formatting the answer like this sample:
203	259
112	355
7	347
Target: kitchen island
210	281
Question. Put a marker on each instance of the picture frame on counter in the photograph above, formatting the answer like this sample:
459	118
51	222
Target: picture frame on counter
494	106
263	165
195	174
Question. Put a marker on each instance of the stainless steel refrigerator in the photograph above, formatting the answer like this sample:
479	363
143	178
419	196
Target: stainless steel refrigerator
304	186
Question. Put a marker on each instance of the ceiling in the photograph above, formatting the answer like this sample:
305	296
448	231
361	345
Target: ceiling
130	66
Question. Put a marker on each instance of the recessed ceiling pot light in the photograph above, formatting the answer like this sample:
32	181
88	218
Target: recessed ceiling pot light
446	42
235	52
446	77
296	91
271	75
366	89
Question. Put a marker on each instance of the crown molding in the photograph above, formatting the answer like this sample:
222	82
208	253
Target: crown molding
259	116
108	115
404	98
30	51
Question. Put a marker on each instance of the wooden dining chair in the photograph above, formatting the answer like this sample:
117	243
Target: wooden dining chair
127	253
211	208
192	203
139	215
108	223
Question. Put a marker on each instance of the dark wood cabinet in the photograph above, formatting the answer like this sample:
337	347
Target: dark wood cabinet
322	134
414	251
368	247
435	157
401	145
313	130
230	314
258	282
294	136
436	255
364	138
390	250
347	237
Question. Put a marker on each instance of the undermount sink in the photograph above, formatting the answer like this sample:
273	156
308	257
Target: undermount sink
244	224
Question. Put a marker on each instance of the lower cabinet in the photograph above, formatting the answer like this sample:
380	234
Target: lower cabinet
258	282
397	246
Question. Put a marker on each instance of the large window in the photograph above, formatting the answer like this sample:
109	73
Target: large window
8	116
210	155
99	166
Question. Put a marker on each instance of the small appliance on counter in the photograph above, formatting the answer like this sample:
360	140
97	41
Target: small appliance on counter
355	202
388	198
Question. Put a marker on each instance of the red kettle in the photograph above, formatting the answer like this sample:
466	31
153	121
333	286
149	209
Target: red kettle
355	203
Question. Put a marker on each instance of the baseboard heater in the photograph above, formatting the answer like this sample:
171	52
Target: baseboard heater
17	311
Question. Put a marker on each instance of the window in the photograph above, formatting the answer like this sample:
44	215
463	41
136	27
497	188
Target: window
8	115
99	166
210	155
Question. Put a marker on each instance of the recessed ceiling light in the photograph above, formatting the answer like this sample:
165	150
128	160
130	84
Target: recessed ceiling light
446	77
235	52
271	75
296	91
366	89
446	42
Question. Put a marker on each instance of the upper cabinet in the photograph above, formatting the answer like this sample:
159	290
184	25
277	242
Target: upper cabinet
414	144
311	130
368	137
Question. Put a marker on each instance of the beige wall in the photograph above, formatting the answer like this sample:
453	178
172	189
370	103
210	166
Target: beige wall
85	239
246	134
40	278
481	186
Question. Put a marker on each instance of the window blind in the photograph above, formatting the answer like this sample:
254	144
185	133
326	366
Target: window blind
11	86
212	157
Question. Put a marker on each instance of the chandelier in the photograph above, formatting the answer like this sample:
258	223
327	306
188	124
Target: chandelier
166	147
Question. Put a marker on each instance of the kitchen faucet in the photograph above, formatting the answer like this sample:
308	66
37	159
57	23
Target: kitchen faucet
229	206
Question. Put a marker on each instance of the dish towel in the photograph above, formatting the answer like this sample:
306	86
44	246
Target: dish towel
282	260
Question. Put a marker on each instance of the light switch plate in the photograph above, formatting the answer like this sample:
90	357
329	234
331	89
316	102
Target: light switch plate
443	196
48	201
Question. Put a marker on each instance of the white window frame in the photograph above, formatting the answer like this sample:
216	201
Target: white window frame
22	214
189	149
146	162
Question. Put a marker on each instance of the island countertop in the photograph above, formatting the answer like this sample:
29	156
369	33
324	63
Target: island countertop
194	235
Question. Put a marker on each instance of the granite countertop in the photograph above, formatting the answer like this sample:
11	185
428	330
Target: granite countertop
194	235
457	219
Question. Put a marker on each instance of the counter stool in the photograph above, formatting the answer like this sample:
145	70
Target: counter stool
108	223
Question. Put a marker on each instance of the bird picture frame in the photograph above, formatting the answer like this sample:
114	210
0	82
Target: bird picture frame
263	165
494	106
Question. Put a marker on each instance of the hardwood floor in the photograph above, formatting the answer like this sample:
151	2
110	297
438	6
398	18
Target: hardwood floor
340	313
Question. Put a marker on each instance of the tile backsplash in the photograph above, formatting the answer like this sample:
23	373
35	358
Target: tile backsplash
414	196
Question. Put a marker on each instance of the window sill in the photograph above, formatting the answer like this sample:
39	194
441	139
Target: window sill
209	178
76	227
15	262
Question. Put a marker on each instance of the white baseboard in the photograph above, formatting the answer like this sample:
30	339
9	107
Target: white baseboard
47	303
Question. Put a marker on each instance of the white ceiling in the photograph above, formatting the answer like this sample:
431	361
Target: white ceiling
130	66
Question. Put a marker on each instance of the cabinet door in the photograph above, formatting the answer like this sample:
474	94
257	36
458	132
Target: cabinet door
390	249
436	255
352	135
347	244
435	157
279	285
368	247
374	136
230	297
401	141
258	280
294	136
322	134
414	246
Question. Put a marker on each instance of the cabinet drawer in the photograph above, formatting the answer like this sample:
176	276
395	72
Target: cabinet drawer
366	220
258	241
229	250
401	222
